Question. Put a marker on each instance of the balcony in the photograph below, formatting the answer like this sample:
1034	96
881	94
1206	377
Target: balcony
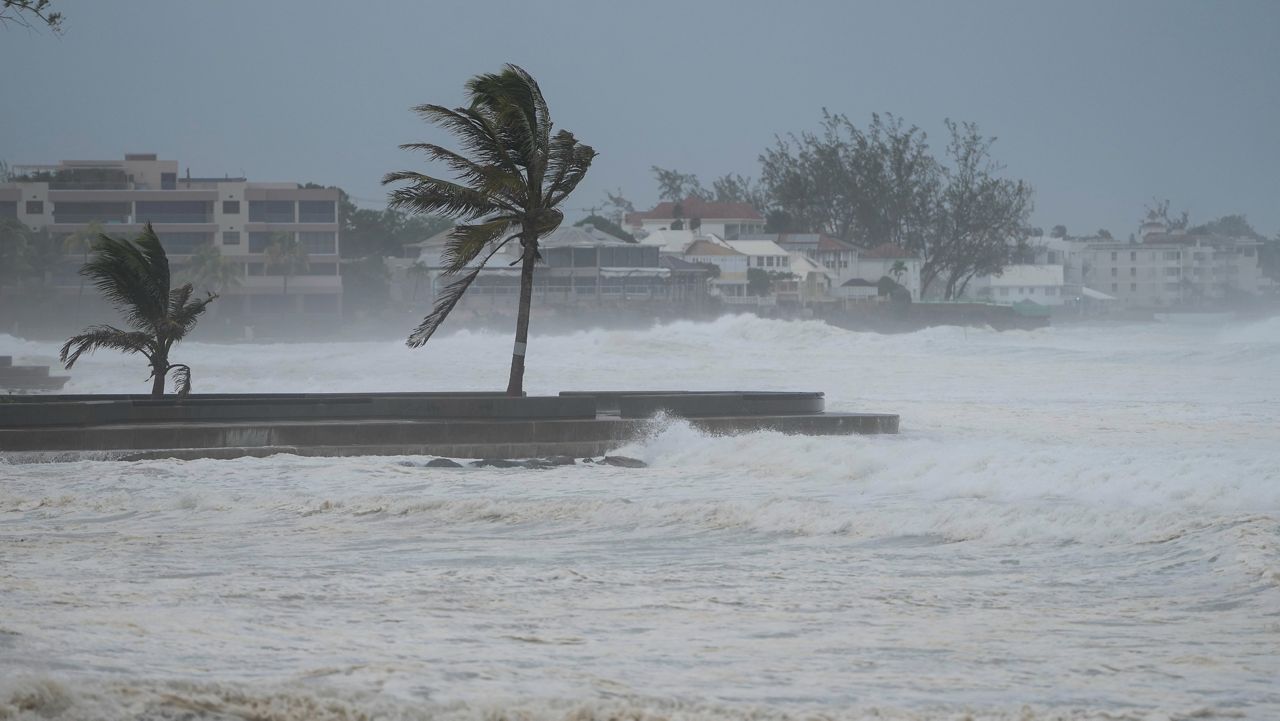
160	218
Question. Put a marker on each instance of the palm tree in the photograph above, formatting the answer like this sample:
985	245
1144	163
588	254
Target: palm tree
287	256
898	268
210	270
517	173
134	275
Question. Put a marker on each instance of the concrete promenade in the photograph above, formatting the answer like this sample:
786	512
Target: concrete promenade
455	425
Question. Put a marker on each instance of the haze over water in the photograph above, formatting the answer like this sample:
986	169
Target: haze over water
1076	522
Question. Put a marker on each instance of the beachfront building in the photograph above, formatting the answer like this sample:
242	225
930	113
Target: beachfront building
731	279
1039	284
837	256
581	266
730	221
237	218
892	261
1167	270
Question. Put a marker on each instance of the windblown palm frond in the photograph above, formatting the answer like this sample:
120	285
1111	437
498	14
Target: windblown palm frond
508	177
449	298
181	378
103	336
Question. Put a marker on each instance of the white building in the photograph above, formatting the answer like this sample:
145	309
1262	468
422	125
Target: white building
732	281
1040	284
892	261
1168	270
763	254
727	220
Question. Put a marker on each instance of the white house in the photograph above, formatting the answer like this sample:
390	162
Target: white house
892	261
727	220
812	281
1041	284
763	254
732	281
670	242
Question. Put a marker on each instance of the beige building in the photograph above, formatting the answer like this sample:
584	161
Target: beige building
1173	270
232	215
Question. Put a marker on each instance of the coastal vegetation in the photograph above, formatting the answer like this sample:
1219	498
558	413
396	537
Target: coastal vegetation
134	276
508	186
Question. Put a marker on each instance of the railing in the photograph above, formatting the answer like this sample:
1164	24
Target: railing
90	218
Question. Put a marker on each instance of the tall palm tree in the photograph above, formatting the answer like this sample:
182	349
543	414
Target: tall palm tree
134	276
287	256
507	187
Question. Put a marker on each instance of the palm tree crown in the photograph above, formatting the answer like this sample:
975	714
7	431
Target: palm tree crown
508	184
134	276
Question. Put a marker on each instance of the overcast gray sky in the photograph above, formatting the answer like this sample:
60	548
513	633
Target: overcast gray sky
1101	106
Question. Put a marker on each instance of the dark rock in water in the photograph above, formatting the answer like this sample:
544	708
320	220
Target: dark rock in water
557	461
624	462
442	463
496	463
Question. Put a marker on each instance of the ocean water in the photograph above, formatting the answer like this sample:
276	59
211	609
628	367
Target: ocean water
1076	523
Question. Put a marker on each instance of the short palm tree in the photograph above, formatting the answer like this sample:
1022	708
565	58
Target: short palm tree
507	187
134	276
898	269
287	256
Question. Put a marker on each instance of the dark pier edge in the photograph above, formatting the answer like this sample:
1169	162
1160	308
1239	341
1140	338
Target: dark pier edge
459	425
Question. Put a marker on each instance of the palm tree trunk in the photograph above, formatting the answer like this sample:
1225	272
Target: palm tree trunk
161	369
515	386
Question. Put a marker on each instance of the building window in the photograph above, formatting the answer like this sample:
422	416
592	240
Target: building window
271	211
1172	255
259	240
1050	291
231	237
35	207
1172	271
1133	256
168	211
316	211
1113	256
1114	271
1115	287
9	209
1004	291
1133	287
319	243
231	207
183	243
1133	272
168	181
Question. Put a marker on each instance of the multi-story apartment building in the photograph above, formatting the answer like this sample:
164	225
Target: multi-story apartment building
238	218
1167	270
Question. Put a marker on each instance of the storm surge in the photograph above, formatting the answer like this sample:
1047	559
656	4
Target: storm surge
1077	522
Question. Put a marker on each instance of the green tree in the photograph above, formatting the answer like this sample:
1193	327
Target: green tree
287	257
134	276
758	282
897	270
509	188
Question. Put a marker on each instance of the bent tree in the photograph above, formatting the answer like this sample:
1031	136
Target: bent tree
134	276
509	178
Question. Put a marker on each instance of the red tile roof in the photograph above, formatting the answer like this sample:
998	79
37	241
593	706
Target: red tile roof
696	208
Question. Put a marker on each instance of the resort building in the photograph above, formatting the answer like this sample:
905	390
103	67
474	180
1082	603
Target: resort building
1040	284
232	216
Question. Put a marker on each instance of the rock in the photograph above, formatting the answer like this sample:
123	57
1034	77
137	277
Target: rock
624	462
558	461
496	463
442	463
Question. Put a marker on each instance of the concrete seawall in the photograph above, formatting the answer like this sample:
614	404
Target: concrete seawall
451	425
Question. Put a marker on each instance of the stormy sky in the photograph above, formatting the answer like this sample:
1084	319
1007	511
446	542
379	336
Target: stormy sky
1099	105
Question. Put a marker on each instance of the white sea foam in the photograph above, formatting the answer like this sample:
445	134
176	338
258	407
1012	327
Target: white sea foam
1084	521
